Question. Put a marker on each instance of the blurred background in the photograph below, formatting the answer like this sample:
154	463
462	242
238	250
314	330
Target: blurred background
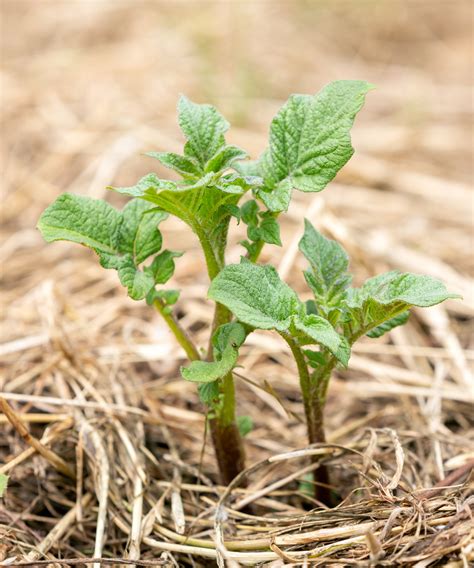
88	86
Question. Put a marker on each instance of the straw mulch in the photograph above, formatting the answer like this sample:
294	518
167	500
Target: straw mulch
104	444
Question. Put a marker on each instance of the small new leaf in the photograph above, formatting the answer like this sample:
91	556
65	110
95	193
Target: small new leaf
327	275
270	231
389	325
209	393
162	267
227	341
319	330
224	158
204	128
186	167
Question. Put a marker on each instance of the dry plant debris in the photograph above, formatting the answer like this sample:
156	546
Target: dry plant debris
82	368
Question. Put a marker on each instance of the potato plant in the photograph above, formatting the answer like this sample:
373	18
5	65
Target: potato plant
309	142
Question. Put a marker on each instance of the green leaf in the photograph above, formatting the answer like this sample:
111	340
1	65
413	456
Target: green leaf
270	231
389	325
169	297
224	158
122	239
90	222
235	183
315	358
138	283
227	341
310	140
139	233
209	392
203	127
256	295
320	331
245	425
249	211
279	197
148	186
162	267
328	261
233	211
187	167
199	205
389	295
3	483
412	289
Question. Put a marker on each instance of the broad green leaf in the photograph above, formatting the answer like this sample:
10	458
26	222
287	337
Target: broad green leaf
227	341
122	239
412	289
389	325
320	331
328	261
90	222
187	167
389	295
224	158
162	267
310	140
256	295
3	483
203	127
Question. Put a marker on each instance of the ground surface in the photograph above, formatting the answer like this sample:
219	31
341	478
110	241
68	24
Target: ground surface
87	87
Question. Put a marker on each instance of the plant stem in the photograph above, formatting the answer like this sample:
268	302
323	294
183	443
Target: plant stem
180	334
213	263
258	249
225	434
313	407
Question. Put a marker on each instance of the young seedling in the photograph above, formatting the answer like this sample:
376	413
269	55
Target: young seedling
320	333
309	143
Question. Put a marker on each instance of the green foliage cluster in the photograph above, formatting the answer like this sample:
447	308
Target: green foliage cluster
309	142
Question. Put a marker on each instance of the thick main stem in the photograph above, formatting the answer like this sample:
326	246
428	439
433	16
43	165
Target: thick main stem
225	434
313	407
